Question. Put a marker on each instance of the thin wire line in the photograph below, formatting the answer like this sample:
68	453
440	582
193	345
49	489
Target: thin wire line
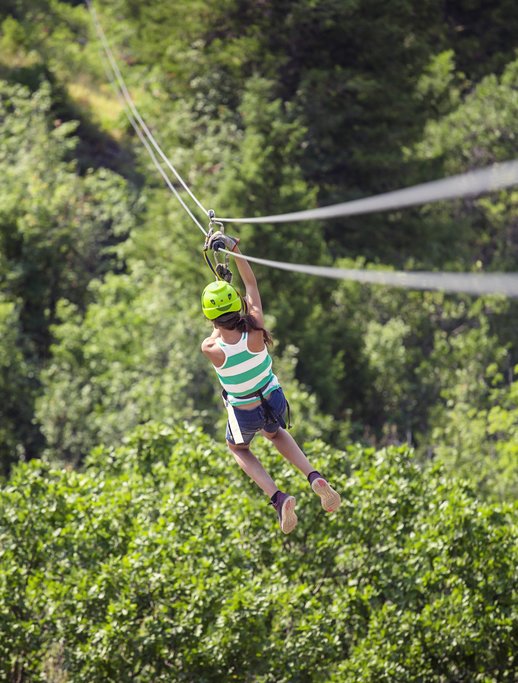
495	177
163	173
499	176
467	283
125	92
113	82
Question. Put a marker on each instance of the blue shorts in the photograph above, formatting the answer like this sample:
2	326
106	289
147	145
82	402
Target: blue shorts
252	421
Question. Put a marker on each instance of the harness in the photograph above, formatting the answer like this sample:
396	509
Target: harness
270	417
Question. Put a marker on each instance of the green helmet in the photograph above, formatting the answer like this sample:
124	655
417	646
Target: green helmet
219	298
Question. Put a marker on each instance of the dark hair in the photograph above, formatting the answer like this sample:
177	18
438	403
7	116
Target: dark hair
242	322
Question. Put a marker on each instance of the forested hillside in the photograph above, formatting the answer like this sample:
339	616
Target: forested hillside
130	549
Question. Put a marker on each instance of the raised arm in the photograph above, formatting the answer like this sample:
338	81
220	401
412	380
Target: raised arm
252	296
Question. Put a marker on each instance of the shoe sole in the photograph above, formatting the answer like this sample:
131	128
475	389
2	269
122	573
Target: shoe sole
329	498
288	516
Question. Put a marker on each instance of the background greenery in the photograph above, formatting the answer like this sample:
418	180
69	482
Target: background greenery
148	557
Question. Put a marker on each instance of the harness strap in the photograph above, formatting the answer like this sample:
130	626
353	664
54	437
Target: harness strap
264	403
288	410
234	424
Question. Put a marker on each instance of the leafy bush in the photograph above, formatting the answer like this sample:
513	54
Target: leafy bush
161	561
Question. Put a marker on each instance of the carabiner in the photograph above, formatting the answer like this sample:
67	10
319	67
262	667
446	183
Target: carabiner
220	269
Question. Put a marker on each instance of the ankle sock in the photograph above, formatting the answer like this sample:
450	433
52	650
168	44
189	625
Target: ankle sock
275	497
314	475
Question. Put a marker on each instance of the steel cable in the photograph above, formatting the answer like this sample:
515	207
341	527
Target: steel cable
483	180
468	283
129	101
476	182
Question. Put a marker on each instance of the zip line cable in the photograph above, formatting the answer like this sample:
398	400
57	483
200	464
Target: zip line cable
467	283
148	147
111	77
494	177
161	170
491	178
127	97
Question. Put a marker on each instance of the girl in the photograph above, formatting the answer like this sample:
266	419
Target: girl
237	348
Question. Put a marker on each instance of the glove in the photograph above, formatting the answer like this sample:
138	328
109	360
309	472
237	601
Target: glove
219	241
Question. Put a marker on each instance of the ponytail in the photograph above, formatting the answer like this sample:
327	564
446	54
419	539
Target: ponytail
242	323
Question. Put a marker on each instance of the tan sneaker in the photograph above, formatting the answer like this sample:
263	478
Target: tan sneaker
285	507
329	498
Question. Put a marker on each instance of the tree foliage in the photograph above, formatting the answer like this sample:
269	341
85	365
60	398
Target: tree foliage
158	562
57	231
266	108
148	557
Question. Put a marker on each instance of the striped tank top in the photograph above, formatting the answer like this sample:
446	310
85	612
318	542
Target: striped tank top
244	372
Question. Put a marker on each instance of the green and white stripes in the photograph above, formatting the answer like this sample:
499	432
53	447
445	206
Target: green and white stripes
244	372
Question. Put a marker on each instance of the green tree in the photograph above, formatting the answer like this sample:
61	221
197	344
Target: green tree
479	131
57	231
56	227
130	359
159	561
478	439
19	438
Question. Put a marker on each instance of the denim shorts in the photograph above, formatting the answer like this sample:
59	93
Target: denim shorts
252	421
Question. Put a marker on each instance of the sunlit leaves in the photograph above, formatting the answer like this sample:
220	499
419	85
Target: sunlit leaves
161	561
